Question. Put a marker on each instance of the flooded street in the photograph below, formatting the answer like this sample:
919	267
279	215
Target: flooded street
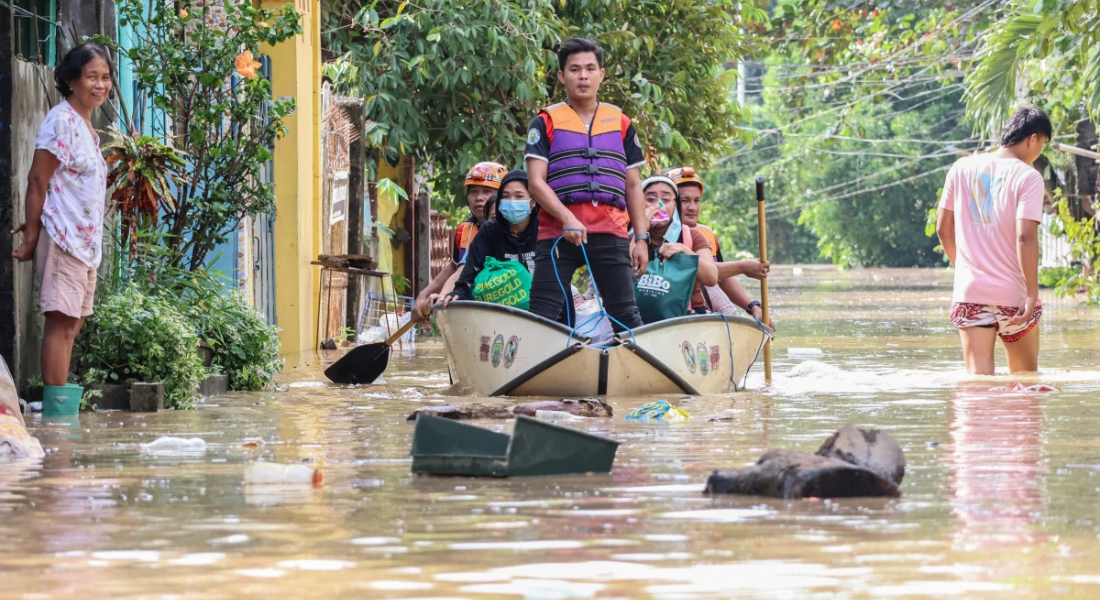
999	498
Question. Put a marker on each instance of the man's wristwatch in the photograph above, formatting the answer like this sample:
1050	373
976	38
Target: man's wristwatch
641	236
751	305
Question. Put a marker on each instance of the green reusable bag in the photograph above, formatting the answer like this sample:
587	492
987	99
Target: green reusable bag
665	289
504	282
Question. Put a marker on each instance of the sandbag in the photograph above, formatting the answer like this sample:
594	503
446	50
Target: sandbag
665	289
505	282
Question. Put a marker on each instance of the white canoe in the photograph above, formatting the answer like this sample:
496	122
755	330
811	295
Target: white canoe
497	350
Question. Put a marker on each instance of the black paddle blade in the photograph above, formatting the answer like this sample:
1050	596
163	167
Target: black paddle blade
362	364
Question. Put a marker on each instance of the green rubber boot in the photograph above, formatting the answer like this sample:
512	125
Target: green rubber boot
61	400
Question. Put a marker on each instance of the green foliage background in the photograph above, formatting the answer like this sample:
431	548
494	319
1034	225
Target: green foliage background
864	104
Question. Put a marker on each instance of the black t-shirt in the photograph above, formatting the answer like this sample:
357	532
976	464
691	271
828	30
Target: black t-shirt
493	239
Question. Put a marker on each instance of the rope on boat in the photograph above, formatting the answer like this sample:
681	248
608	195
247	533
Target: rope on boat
729	337
569	297
763	340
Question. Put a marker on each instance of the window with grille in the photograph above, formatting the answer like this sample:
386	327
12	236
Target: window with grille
35	30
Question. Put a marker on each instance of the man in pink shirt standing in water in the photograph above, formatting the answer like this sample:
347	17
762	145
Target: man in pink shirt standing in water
988	224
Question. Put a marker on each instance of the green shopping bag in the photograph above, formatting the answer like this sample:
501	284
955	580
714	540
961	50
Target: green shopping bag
665	289
504	282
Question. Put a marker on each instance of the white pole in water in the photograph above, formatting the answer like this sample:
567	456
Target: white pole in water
1076	150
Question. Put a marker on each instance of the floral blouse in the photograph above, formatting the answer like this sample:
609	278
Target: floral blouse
76	195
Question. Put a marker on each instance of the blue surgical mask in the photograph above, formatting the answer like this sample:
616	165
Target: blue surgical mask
514	211
674	229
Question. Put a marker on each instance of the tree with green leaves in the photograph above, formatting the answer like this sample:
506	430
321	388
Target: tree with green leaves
857	115
1031	49
220	113
455	82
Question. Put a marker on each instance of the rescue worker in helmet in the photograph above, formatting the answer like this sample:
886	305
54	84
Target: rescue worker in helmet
728	291
482	182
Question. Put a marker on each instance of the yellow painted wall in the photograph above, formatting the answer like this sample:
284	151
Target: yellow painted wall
391	213
296	73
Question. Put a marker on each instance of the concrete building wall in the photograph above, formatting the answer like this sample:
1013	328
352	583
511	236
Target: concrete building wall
34	97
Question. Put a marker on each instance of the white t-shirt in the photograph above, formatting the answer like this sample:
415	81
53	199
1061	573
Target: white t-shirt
988	194
76	196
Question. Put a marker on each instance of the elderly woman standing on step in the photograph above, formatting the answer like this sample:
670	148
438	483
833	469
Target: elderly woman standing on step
65	203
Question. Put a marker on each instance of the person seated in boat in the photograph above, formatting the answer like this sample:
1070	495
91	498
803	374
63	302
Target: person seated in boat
482	182
728	292
510	236
668	236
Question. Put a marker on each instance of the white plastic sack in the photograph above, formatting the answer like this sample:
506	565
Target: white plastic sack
391	323
599	330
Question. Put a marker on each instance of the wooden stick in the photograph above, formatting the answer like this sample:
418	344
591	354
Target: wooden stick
400	332
762	233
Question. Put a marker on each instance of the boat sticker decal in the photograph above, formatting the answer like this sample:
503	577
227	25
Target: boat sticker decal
498	350
510	350
704	360
485	348
714	354
689	356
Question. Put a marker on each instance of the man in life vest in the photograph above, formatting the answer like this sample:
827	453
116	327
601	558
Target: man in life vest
582	163
728	290
482	182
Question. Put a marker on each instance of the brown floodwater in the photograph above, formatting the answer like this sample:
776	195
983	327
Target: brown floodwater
999	498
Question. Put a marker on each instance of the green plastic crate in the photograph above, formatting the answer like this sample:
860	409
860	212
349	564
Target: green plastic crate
445	447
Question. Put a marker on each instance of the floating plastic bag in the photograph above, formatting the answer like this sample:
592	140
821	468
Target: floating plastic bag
659	410
1019	387
265	473
174	445
599	330
371	335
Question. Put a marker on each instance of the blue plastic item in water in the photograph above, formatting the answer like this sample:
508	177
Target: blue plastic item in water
659	410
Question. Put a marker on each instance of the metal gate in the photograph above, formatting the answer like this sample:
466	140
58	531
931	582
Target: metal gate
263	240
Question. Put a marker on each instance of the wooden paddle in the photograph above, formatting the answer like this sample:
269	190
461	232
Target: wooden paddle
762	233
363	364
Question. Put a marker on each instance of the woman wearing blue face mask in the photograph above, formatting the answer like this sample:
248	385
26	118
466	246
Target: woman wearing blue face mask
509	236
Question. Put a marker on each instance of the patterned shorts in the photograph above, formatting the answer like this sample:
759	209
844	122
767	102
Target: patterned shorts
969	314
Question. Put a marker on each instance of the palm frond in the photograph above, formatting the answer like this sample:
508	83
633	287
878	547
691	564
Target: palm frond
991	85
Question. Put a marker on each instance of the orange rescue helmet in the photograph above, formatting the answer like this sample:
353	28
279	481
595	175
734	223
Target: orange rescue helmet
488	174
684	175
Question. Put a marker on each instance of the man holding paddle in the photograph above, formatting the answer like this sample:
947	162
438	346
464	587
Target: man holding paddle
482	183
728	290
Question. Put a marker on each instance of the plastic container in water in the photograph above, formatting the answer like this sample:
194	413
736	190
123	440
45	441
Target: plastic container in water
557	416
265	473
445	447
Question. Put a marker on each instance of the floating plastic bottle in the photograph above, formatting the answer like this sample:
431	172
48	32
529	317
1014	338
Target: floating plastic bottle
557	416
265	473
